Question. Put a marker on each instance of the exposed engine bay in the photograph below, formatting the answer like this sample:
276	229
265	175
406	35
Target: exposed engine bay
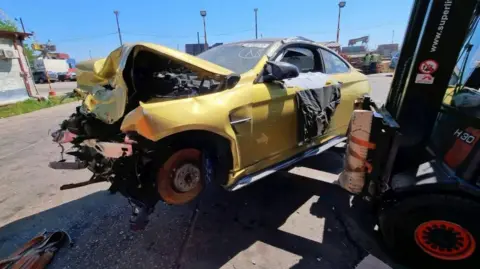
127	160
154	76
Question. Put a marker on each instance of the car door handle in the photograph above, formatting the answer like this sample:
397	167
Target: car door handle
240	121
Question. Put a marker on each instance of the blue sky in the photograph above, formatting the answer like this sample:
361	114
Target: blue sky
78	27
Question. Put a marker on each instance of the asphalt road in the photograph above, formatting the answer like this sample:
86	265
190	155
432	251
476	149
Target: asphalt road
59	87
284	221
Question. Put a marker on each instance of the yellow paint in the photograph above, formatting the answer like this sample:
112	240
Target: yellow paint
268	138
447	99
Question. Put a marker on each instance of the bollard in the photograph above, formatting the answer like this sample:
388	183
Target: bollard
51	91
353	177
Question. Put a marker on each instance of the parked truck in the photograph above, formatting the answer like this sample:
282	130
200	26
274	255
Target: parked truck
57	66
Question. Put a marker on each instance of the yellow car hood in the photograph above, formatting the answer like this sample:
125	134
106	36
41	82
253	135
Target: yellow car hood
107	91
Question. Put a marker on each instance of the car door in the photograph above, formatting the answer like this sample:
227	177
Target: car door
354	85
274	130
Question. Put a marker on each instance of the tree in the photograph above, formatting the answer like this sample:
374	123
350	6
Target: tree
29	54
8	25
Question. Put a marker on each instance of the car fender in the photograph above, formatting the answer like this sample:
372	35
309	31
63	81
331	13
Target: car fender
157	120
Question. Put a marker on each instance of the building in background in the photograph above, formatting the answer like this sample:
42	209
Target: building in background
16	83
197	48
386	50
333	45
354	50
194	49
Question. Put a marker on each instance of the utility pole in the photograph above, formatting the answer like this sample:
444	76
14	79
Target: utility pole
203	13
90	53
198	38
341	5
118	27
256	28
393	34
21	23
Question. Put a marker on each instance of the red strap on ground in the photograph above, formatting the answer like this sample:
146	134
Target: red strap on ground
36	253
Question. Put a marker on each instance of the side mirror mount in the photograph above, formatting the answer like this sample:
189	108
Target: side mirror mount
232	80
274	71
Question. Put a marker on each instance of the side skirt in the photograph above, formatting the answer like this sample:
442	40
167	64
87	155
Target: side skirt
249	179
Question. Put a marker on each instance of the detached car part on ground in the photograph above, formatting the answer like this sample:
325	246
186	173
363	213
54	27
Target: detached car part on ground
160	124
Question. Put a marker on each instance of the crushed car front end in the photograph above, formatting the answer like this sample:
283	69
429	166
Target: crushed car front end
116	89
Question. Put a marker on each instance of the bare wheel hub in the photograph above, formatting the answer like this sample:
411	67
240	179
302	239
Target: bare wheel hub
186	177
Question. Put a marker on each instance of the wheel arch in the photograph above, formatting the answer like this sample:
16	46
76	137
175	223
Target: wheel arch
222	149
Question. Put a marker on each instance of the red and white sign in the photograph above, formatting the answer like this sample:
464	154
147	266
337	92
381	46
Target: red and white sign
424	79
428	66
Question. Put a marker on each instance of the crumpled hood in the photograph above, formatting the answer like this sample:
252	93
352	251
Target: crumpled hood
107	91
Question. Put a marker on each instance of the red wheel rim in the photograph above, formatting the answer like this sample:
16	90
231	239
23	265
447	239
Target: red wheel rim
445	240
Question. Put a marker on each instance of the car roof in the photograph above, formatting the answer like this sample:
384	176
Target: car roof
277	42
277	39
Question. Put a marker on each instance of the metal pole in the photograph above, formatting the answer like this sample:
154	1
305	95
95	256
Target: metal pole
23	26
118	27
338	25
205	32
198	37
393	34
256	28
90	53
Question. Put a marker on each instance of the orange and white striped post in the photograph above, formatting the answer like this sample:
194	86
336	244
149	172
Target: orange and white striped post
51	91
355	164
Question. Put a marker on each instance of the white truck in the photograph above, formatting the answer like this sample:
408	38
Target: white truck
52	65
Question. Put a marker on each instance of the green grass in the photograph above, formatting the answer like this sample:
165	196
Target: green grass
32	105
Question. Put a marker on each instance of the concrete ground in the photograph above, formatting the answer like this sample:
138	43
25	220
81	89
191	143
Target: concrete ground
284	221
60	88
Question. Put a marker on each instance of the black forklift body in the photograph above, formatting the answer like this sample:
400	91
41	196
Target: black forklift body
420	83
403	127
427	211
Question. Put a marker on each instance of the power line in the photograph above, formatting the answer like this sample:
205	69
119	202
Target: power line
233	33
184	36
154	35
84	38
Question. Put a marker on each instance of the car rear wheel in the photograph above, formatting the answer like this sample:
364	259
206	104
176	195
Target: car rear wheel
180	179
433	231
41	81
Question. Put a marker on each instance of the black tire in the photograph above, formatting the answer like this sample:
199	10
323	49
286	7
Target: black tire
41	81
407	230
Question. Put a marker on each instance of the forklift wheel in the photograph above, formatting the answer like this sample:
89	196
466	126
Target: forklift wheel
433	231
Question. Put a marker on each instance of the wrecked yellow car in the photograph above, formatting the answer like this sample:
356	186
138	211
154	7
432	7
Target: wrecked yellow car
160	124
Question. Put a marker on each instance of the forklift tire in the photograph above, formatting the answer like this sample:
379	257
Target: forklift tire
433	231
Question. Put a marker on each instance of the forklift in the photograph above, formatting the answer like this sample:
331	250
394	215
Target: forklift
421	159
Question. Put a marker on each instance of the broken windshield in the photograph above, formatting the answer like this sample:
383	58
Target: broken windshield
238	57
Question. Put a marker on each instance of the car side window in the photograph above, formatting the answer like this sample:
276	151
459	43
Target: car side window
302	58
333	63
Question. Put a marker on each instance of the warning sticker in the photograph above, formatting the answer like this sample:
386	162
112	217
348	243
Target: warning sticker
428	66
424	79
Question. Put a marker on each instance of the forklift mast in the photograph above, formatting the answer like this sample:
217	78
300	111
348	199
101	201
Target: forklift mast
434	38
425	201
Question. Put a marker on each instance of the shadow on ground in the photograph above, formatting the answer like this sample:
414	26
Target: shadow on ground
283	221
